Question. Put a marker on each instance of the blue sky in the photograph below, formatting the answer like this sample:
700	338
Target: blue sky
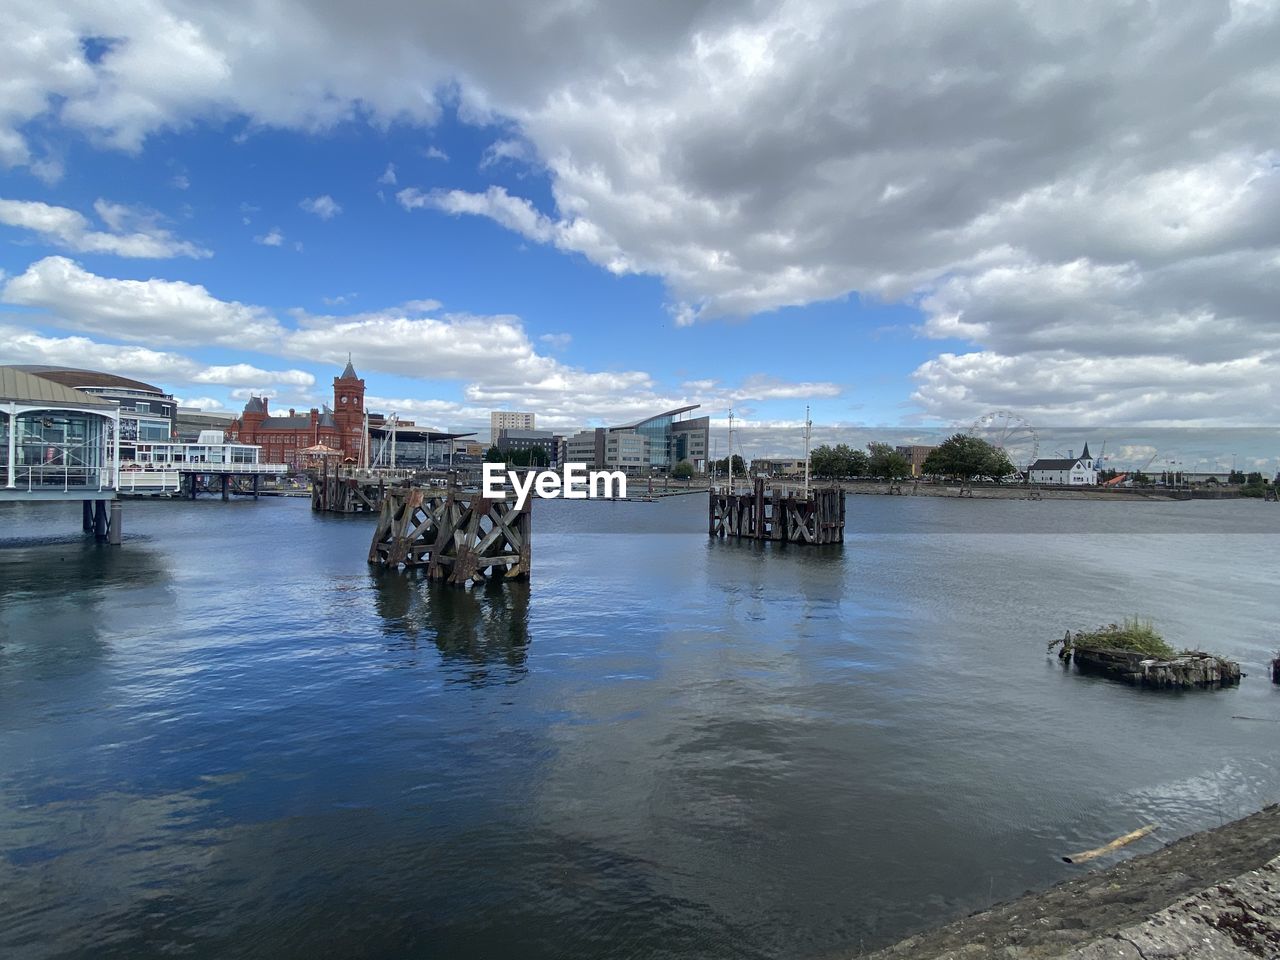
227	187
897	213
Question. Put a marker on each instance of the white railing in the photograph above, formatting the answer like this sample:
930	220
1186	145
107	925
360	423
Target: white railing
61	476
200	466
131	481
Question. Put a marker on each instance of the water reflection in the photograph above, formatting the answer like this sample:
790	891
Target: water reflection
62	597
482	633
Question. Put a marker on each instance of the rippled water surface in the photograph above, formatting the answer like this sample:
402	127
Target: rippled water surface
232	738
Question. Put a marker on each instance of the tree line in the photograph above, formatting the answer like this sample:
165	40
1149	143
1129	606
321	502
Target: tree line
960	456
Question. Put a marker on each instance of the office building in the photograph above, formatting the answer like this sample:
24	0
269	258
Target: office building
500	420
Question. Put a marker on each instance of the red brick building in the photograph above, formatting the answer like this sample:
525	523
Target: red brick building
282	437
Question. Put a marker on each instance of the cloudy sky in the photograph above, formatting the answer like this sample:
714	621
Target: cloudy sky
904	212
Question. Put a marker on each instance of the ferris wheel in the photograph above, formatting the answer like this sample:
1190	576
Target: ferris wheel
1011	433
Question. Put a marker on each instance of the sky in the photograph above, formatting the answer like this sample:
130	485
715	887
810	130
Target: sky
898	213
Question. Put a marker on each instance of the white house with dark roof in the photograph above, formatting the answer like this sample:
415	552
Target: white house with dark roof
1081	471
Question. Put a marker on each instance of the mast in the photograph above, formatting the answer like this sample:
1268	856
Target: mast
730	458
808	428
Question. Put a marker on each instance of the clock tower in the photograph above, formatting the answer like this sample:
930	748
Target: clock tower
348	410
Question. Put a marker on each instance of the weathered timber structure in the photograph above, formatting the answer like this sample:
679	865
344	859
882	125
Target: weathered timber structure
778	514
1275	670
1185	671
344	489
458	537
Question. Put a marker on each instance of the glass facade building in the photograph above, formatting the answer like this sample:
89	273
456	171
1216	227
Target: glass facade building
668	439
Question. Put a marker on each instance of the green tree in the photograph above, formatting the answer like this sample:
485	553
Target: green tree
837	463
823	462
884	462
739	467
682	470
494	455
967	458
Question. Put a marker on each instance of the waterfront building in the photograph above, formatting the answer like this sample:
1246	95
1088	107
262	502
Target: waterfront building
777	467
511	441
586	446
57	442
146	411
1067	471
190	422
158	467
601	448
667	441
915	454
500	420
282	438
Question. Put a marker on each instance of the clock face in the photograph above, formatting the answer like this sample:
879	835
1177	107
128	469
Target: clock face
344	399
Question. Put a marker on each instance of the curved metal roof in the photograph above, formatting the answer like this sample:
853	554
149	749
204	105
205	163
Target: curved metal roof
657	416
78	379
20	386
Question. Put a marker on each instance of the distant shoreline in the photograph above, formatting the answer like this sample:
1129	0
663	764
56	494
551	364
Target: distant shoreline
910	488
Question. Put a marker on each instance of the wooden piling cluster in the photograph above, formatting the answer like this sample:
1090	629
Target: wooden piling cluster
335	490
458	537
778	514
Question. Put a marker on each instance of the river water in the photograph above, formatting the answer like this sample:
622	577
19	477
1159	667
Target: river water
231	738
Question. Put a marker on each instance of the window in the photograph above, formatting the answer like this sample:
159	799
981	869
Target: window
141	406
153	430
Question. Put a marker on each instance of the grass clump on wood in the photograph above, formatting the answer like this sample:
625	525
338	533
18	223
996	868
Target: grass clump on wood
1135	635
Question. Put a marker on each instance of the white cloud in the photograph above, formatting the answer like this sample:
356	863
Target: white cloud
435	153
756	156
389	175
241	373
208	404
323	206
23	345
180	181
492	357
130	232
272	238
153	311
556	341
508	149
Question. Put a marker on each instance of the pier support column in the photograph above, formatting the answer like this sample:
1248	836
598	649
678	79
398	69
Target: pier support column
226	480
193	486
100	520
256	478
86	515
115	530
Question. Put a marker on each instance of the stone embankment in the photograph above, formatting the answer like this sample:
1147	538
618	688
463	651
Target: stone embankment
1015	491
1212	894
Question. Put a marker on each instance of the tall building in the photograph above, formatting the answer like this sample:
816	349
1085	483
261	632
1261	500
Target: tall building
348	409
915	454
500	420
666	442
281	438
672	440
146	411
